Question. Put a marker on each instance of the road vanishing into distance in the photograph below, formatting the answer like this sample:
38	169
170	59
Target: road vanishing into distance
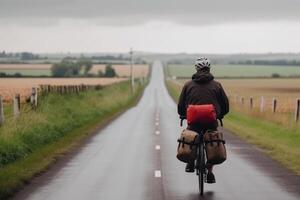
134	158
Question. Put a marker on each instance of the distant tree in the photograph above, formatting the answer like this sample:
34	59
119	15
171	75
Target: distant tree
275	75
28	56
86	64
100	73
2	54
110	71
65	68
17	74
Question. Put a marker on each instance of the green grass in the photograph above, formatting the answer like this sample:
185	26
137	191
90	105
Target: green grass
28	72
281	143
236	70
31	143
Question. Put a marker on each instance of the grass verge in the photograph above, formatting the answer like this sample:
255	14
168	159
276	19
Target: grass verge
280	142
37	139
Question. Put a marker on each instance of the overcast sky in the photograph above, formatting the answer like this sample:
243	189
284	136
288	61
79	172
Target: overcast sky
214	26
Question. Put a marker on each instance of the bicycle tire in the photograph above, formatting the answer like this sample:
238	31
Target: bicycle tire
201	168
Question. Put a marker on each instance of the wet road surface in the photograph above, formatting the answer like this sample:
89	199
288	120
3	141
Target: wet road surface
134	158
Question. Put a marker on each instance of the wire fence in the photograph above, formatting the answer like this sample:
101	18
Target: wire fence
29	102
267	105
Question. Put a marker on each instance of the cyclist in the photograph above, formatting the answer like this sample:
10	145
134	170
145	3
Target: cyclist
203	89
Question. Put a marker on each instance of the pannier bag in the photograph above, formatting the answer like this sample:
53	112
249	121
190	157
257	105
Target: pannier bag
202	114
215	147
187	147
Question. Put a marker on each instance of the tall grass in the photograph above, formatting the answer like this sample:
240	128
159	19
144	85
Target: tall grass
32	141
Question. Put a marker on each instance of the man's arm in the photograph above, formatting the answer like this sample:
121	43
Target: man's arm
223	102
181	108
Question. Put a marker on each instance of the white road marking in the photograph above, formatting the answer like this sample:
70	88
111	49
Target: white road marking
157	147
157	132
157	173
157	118
156	123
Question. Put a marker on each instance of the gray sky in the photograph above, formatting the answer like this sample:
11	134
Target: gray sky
214	26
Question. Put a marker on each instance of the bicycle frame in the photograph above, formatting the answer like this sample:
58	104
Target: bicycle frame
201	170
200	161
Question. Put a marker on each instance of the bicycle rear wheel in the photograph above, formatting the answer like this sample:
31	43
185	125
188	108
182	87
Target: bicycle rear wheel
201	168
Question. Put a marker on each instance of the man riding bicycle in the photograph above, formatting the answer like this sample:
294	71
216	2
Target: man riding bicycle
203	89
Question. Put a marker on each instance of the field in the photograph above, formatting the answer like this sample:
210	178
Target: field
11	86
236	70
124	70
26	69
44	69
286	91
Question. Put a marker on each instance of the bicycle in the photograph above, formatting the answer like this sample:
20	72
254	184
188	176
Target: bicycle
201	170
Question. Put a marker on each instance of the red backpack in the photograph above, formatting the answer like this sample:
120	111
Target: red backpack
201	114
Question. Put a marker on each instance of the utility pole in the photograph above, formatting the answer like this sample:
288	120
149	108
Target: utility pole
131	70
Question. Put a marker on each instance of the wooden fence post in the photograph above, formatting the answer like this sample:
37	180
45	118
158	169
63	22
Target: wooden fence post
274	105
297	110
66	89
251	102
242	100
34	97
1	111
236	98
262	104
16	105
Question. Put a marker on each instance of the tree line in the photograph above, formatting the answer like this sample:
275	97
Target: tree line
81	67
268	62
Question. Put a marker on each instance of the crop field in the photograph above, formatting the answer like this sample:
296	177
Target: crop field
45	69
286	91
26	69
236	70
124	70
11	86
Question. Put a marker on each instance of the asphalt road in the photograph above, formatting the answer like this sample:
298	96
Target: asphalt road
134	158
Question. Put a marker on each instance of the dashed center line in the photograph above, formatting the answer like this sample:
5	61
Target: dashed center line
157	147
157	132
156	123
157	173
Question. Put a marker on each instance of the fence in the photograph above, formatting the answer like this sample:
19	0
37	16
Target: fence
264	104
42	90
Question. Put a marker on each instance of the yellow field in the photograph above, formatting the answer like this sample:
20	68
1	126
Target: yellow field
124	70
286	91
11	86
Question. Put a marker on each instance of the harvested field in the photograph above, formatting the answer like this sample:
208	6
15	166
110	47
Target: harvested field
11	86
286	91
124	70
